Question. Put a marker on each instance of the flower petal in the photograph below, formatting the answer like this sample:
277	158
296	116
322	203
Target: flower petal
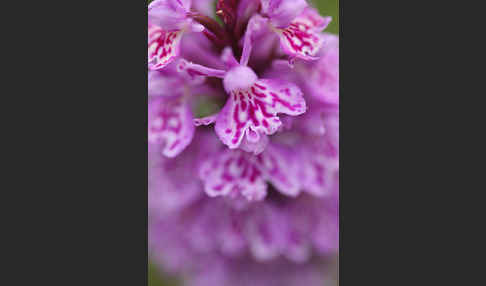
323	77
302	38
282	12
278	167
255	25
256	109
312	123
325	233
317	173
254	142
281	96
233	173
170	124
170	15
265	230
313	19
163	47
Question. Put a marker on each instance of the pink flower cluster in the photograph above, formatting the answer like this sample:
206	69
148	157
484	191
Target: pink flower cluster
243	131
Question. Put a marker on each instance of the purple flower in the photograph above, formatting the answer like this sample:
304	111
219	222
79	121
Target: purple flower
170	119
296	233
292	228
243	133
168	20
253	104
318	79
297	25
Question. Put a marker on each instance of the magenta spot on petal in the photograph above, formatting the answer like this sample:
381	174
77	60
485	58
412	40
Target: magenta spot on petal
263	108
256	93
170	121
235	189
286	91
243	105
244	173
239	125
240	161
177	142
260	86
237	136
235	115
227	177
265	123
293	31
319	171
164	44
228	163
227	131
253	116
255	173
281	101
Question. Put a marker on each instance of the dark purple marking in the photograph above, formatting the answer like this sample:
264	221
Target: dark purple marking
262	106
243	105
254	175
218	187
293	30
275	99
177	142
257	94
227	177
260	86
286	91
265	123
253	116
319	172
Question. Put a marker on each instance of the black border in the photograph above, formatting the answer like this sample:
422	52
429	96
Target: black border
80	215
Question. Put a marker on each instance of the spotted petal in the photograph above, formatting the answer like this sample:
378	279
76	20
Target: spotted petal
278	166
163	47
265	230
317	172
302	38
254	111
170	124
233	173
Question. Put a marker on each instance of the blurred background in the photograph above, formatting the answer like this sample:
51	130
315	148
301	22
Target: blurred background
326	8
